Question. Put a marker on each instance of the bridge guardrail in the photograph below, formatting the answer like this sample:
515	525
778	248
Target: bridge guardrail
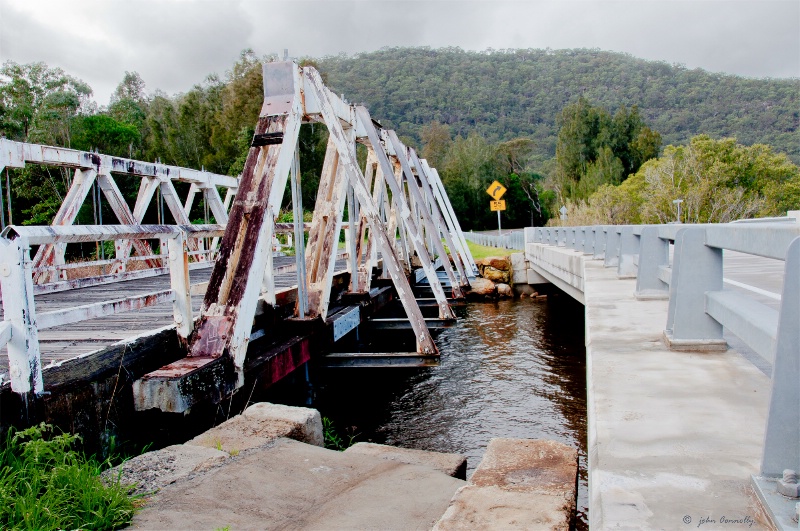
510	240
20	325
699	307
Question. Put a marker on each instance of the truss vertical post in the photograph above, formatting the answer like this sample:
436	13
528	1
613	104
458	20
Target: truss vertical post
16	282
179	282
353	220
299	237
323	240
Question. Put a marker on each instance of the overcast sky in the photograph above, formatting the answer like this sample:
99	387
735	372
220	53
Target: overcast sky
174	44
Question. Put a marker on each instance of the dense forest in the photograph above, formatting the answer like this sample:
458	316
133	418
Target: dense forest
565	127
504	94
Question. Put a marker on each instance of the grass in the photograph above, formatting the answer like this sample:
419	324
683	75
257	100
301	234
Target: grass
334	441
481	251
46	484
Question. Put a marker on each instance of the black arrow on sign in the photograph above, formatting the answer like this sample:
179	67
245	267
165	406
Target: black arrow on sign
494	193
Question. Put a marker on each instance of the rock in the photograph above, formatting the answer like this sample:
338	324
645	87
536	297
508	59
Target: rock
495	275
290	485
504	290
481	287
519	484
153	471
454	465
262	423
502	263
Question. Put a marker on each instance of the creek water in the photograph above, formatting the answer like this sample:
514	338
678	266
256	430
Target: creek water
511	368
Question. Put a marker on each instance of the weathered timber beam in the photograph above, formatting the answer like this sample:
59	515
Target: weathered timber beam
349	163
236	280
405	213
440	222
414	190
85	312
44	234
17	154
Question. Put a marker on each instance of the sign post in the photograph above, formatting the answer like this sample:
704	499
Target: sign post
496	190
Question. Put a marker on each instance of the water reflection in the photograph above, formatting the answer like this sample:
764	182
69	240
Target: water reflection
509	369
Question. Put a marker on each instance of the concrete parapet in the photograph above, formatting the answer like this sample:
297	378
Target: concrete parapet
519	484
261	423
454	465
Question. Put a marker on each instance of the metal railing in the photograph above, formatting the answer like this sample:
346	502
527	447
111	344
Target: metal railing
699	307
509	240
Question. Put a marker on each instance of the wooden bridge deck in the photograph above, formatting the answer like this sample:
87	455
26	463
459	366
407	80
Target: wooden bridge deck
68	341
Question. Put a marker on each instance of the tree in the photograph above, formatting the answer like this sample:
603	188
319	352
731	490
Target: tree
436	141
39	102
595	149
718	180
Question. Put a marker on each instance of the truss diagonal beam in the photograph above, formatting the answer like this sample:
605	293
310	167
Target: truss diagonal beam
416	193
445	312
234	287
347	156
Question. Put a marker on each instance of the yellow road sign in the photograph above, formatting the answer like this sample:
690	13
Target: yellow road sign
497	205
496	190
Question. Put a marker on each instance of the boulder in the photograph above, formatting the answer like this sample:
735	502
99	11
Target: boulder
496	275
503	263
504	290
262	423
481	287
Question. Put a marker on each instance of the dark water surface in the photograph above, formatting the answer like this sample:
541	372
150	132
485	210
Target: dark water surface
508	369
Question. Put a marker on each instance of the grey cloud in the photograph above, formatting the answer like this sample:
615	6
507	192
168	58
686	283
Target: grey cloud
175	44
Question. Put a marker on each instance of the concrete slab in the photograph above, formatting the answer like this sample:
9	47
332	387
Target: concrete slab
261	423
454	465
519	484
673	437
153	471
291	485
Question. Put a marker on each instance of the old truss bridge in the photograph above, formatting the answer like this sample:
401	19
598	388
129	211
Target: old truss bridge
213	309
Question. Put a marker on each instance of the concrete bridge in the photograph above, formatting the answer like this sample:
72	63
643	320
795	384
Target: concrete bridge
692	335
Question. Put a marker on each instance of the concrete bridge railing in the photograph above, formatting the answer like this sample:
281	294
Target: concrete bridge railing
684	265
509	240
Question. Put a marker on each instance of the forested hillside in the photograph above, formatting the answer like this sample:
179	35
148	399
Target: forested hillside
566	127
505	94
